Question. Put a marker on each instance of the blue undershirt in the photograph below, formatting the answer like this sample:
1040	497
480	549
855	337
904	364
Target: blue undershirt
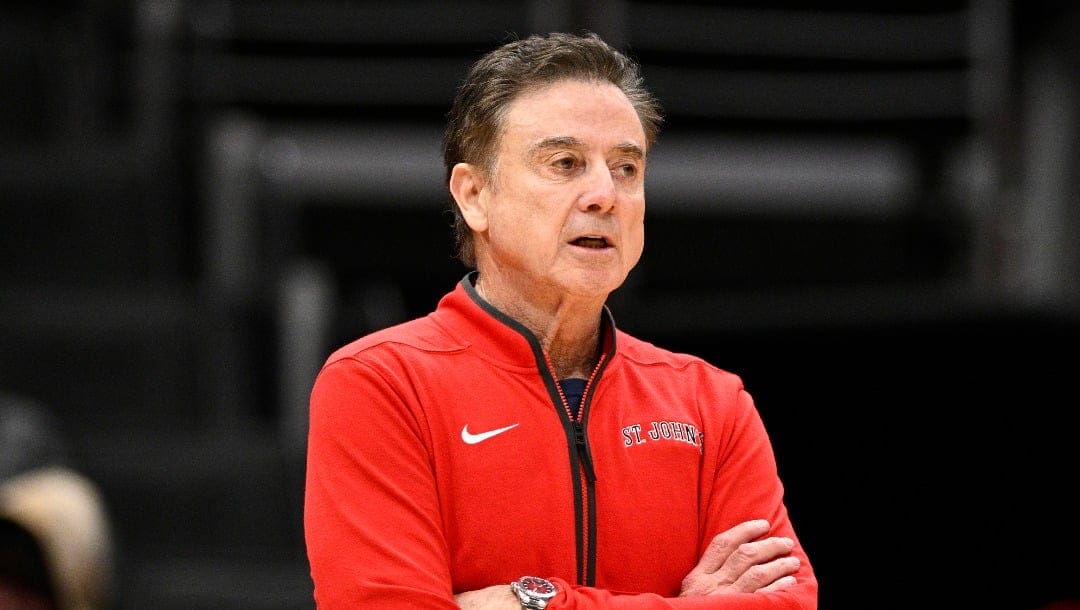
573	389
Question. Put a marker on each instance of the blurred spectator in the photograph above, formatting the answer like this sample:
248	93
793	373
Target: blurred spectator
55	539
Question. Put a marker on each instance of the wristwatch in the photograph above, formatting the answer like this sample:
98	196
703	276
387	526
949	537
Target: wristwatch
534	592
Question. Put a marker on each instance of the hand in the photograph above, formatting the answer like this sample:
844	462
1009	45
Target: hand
495	597
736	561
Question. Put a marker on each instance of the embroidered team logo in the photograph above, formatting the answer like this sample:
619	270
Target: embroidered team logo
659	431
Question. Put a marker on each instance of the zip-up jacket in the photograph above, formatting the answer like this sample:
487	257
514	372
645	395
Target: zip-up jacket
443	457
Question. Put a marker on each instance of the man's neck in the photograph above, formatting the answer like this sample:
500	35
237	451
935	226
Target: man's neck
568	329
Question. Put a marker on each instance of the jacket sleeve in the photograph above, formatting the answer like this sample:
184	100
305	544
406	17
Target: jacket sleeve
584	598
371	515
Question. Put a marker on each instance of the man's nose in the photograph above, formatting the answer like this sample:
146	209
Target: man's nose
600	191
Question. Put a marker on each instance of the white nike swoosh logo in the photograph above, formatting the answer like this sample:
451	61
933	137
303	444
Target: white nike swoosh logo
472	439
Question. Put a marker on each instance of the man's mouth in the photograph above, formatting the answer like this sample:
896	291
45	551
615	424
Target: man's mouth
590	241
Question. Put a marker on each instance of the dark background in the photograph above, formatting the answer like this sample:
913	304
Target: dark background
868	210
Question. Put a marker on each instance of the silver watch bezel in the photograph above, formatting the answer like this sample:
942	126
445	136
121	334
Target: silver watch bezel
529	599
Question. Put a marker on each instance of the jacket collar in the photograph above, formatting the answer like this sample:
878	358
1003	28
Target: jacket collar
477	323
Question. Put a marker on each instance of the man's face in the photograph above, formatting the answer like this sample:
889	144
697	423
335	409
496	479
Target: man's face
564	213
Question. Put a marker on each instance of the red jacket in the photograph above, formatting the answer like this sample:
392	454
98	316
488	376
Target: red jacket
442	458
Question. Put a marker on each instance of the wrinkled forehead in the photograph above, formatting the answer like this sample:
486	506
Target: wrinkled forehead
571	108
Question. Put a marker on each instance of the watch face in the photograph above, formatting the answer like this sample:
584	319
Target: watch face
538	587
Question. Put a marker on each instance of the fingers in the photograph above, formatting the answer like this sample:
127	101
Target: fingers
779	583
738	560
725	543
762	565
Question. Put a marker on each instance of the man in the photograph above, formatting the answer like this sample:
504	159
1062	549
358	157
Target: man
514	435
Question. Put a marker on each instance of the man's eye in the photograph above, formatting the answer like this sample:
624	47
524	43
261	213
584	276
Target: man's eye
565	163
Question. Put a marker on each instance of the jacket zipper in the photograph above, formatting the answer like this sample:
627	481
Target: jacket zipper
587	472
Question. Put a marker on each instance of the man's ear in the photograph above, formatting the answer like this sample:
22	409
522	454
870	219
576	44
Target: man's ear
467	187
